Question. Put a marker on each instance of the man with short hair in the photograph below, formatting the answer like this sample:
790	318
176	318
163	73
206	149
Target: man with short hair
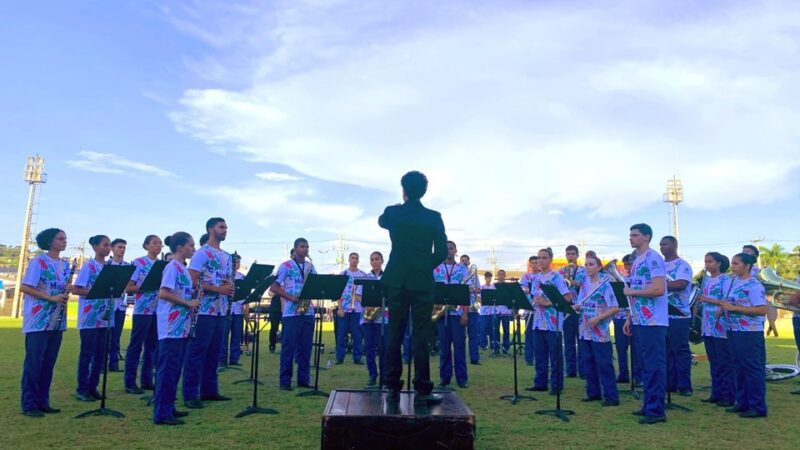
679	287
576	274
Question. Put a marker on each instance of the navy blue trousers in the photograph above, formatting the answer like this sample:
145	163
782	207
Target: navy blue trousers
503	321
144	340
623	344
599	369
296	340
547	355
485	332
170	358
349	323
722	370
530	349
651	347
408	352
376	348
90	359
452	335
202	358
116	336
749	359
571	348
231	349
796	326
679	355
41	352
473	333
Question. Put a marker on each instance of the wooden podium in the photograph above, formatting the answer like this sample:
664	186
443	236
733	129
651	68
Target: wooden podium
355	419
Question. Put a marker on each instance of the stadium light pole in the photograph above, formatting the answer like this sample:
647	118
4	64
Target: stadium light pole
34	176
674	196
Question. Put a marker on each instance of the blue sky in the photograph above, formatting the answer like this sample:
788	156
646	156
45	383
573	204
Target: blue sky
538	123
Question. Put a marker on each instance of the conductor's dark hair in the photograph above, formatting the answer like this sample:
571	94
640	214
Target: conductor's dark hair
724	263
95	240
643	228
212	222
203	239
753	248
147	240
45	238
118	241
547	250
572	248
176	240
672	239
299	241
415	184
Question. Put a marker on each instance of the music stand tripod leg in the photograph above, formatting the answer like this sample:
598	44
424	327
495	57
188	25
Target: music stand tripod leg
515	398
562	414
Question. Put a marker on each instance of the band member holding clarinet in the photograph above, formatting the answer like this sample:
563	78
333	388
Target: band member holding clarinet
349	313
623	342
648	322
46	286
452	324
230	351
176	300
745	310
679	287
596	307
372	328
298	317
118	247
95	319
714	328
573	275
144	335
526	281
202	352
474	321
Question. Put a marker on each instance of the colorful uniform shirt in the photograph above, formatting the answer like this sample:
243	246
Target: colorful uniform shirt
291	277
174	321
678	269
144	303
349	304
747	293
716	288
451	274
49	276
236	307
579	276
93	313
648	311
487	308
379	318
215	268
594	304
547	318
120	304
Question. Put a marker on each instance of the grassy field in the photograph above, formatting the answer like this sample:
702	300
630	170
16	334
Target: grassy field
500	425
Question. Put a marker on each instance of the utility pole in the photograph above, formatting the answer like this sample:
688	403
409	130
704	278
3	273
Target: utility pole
341	249
34	176
674	196
493	262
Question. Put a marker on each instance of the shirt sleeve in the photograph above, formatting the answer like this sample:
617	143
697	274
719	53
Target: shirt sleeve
83	276
170	277
136	272
558	280
757	295
33	273
684	272
657	266
199	259
281	277
610	298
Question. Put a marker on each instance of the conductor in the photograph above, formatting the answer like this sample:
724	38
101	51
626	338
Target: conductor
419	244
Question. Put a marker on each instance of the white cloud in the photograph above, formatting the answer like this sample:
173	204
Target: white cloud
113	163
277	176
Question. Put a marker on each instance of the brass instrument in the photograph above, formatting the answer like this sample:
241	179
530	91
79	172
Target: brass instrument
440	310
62	313
569	273
696	309
611	269
779	290
304	305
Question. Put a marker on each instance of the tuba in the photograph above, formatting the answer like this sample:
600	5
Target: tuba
779	290
611	269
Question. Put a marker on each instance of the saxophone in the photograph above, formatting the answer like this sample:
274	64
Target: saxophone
304	305
440	310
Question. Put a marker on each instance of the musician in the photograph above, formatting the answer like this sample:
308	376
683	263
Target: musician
679	287
229	355
275	314
526	281
714	328
648	322
576	274
452	325
745	310
596	306
414	230
174	312
623	342
474	321
772	311
118	247
46	286
144	335
210	266
375	342
487	316
298	329
504	315
547	322
349	312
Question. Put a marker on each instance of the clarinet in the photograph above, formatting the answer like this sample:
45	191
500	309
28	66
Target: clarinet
232	297
62	313
193	313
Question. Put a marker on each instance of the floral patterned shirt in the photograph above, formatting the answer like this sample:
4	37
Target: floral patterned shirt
174	321
49	276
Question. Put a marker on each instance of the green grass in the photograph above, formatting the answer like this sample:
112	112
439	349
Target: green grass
500	425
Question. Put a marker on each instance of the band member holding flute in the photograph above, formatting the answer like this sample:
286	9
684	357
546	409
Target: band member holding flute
349	313
452	324
175	301
648	322
46	286
118	247
372	329
574	274
202	351
714	328
679	288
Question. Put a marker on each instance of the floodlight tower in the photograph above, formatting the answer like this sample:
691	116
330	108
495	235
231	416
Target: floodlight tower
674	196
34	176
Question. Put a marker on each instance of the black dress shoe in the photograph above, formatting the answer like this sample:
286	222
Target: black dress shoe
272	349
652	420
795	392
710	400
623	380
134	390
610	403
148	387
305	386
33	413
591	399
372	382
463	385
286	388
638	412
194	404
734	409
535	389
358	363
685	393
96	395
528	363
429	399
751	414
85	398
171	421
215	398
180	413
115	369
235	364
475	363
50	410
725	403
571	375
339	362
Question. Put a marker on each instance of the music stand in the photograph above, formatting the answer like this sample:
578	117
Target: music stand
450	295
490	296
669	405
252	298
320	287
242	289
512	296
562	306
622	300
152	282
373	296
255	296
110	284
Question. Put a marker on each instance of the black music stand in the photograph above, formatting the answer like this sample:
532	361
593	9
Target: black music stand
450	295
110	284
562	306
255	296
242	289
490	296
669	405
320	287
512	296
152	282
373	296
619	292
249	299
